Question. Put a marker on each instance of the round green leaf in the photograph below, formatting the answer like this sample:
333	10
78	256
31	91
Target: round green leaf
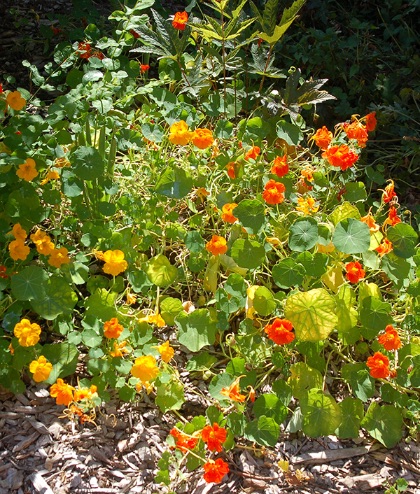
264	301
384	423
312	313
303	234
351	236
270	406
196	330
321	414
170	396
288	272
87	163
160	271
374	316
264	431
303	378
57	298
251	214
29	283
404	239
247	253
352	413
169	309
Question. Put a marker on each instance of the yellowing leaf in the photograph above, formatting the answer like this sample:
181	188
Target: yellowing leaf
312	313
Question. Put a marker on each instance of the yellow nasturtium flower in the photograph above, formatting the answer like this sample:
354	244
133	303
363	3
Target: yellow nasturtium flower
179	133
114	262
40	369
166	351
145	368
27	333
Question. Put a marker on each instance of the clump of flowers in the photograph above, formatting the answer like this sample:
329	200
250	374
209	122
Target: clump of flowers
307	205
280	331
340	156
43	242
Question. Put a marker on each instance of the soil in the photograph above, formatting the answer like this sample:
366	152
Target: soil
42	451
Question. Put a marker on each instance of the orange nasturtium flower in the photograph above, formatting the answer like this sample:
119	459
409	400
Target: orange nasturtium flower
280	166
62	392
323	137
356	130
183	441
389	192
393	218
370	222
84	50
59	257
41	369
145	368
307	205
119	349
227	212
390	340
15	101
385	247
233	391
378	365
42	242
340	156
280	331
180	20
27	333
215	470
114	262
144	67
370	120
217	245
214	436
354	271
18	250
51	175
273	192
166	351
112	328
230	168
179	133
18	232
202	138
27	171
253	153
85	393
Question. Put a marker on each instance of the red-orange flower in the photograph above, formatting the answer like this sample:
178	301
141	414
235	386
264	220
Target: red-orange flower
390	340
230	168
385	247
280	331
62	392
180	21
273	192
183	441
215	470
356	130
253	153
227	214
371	121
389	192
202	138
354	271
84	50
340	156
393	219
323	137
280	166
144	68
370	222
217	245
378	365
233	391
214	436
112	328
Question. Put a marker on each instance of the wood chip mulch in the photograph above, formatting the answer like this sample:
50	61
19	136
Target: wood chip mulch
42	451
